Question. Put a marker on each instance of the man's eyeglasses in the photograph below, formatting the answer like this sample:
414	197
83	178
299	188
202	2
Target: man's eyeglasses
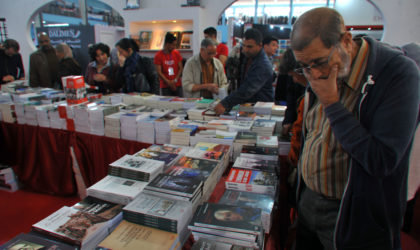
321	66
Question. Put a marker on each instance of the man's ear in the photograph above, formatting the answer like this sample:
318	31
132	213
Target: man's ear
347	41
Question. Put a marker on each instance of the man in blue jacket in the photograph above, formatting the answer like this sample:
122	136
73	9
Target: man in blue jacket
358	122
257	75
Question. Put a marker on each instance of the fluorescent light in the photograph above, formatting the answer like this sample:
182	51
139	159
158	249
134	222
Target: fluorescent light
57	25
174	21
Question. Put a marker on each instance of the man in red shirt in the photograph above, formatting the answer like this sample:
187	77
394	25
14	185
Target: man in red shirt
169	67
222	50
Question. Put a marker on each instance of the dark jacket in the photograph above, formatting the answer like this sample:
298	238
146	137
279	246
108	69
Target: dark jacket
43	68
68	67
11	66
257	84
378	139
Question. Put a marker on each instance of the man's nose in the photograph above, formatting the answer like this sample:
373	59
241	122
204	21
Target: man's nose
315	73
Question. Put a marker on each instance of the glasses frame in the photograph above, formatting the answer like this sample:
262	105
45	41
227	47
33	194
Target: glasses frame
318	66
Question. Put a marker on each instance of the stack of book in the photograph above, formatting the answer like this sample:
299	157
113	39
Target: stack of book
8	180
97	116
263	108
146	129
256	164
81	117
166	157
209	115
116	189
243	138
228	224
231	115
261	153
220	124
83	225
55	120
264	127
181	134
187	188
129	125
196	113
187	103
284	146
268	141
252	181
278	110
42	115
246	116
163	128
205	170
159	212
20	113
181	113
238	126
136	168
113	125
7	110
204	103
265	202
30	113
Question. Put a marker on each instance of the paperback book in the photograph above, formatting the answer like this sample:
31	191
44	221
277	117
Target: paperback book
251	181
34	240
175	185
159	212
136	168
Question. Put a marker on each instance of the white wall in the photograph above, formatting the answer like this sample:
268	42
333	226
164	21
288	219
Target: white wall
367	14
401	18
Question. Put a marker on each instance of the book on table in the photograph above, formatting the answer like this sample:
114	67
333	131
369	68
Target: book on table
256	164
73	226
248	199
130	236
252	181
136	168
175	185
159	212
207	244
258	152
167	158
33	240
116	189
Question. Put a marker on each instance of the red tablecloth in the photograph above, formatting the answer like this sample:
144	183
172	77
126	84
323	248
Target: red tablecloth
42	161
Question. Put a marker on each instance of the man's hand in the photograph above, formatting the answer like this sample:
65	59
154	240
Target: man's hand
99	77
325	89
212	87
171	85
219	109
8	78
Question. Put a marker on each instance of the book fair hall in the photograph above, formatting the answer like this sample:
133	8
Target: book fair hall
210	124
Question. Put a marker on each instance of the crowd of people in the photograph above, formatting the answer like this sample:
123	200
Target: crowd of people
350	160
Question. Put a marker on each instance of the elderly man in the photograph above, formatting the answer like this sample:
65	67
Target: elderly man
43	64
257	75
352	182
203	73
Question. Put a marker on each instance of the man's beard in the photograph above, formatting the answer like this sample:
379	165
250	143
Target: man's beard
346	62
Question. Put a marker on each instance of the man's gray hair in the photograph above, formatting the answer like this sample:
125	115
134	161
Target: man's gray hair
207	42
325	23
64	49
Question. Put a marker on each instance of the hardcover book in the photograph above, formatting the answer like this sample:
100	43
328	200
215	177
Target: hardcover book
251	180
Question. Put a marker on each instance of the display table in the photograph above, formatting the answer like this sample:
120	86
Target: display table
42	161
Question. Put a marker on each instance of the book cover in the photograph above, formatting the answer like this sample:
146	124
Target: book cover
130	236
256	164
259	150
175	185
101	208
33	240
195	163
207	244
187	172
157	155
228	217
251	177
71	225
241	198
173	149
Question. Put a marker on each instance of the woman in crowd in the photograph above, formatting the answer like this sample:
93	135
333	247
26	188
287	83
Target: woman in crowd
137	73
100	72
67	65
